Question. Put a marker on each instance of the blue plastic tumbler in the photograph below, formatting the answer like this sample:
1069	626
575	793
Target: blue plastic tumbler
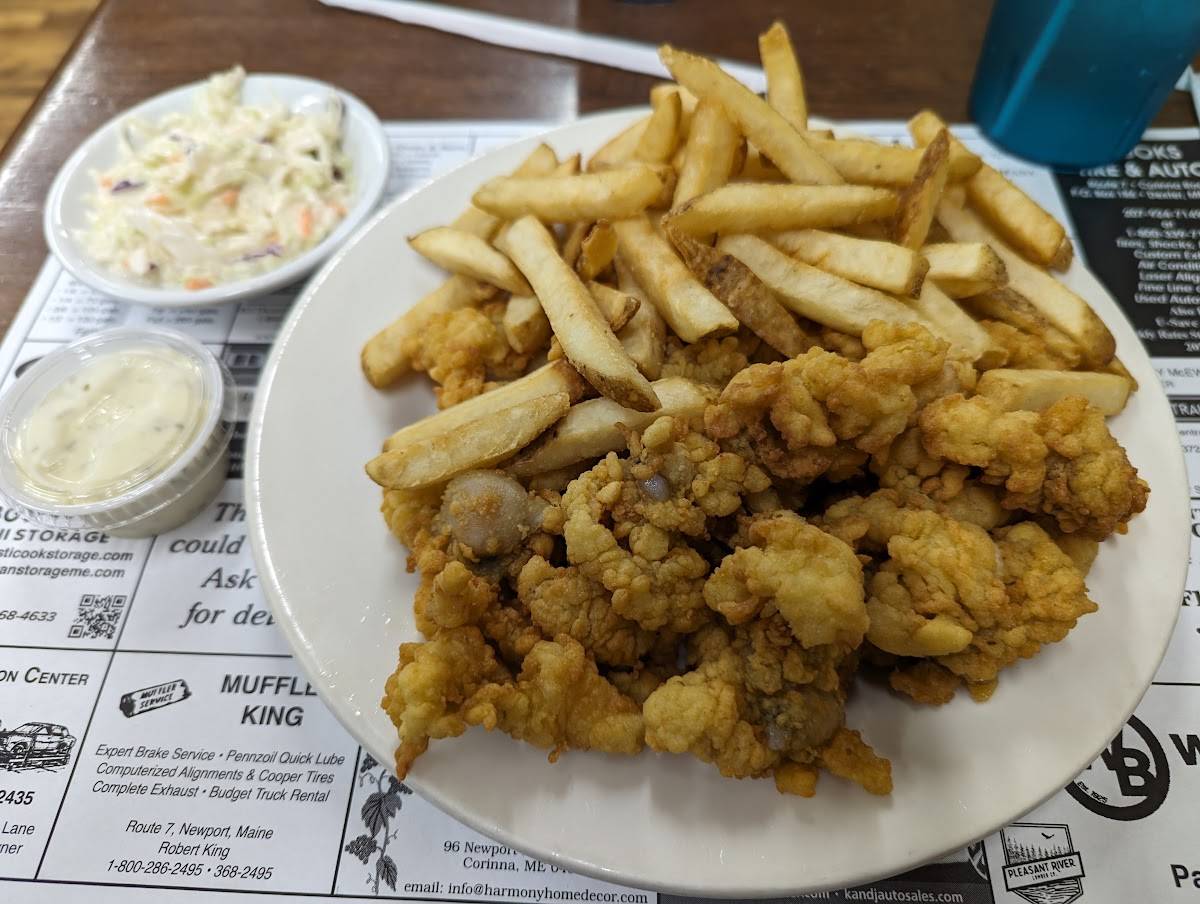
1074	83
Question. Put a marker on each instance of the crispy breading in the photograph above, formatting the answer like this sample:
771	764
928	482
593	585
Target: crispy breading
559	702
812	578
433	679
462	350
1061	462
564	601
710	361
819	412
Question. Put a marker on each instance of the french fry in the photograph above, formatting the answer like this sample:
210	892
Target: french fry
813	293
525	325
607	194
1019	220
661	135
469	255
785	83
880	265
592	429
476	444
1006	306
573	241
751	302
617	307
919	200
865	162
542	161
620	148
687	104
384	357
644	338
755	118
754	207
556	377
710	155
948	321
1060	305
757	168
687	306
924	128
964	268
587	341
1036	390
596	250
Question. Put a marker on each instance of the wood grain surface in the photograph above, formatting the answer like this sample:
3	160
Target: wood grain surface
862	58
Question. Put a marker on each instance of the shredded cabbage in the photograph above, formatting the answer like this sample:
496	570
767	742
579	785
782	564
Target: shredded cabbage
219	194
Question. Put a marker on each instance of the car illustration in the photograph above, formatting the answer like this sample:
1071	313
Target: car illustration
38	741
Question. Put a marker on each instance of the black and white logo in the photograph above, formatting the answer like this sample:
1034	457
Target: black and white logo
1041	864
1131	778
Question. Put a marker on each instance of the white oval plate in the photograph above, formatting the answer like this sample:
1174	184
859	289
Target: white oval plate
66	208
336	580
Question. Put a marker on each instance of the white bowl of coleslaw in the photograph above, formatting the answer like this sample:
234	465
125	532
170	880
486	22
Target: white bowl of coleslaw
217	191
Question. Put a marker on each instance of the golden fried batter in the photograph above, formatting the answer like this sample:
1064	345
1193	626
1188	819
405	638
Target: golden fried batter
1061	462
559	702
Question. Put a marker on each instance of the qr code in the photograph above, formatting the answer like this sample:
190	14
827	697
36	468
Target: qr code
97	617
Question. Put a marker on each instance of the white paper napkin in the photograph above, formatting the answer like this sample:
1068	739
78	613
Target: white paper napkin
535	37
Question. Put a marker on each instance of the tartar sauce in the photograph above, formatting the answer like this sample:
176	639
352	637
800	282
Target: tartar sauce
119	420
221	193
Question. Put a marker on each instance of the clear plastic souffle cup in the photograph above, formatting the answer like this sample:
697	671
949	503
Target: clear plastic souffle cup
152	497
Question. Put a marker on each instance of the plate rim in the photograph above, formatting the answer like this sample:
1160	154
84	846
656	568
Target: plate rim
286	274
276	597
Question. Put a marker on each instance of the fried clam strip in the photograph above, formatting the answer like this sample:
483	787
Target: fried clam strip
946	590
812	578
1062	461
885	266
547	380
1062	307
822	415
609	194
814	293
757	703
628	520
558	701
596	427
755	118
754	207
385	358
587	341
687	306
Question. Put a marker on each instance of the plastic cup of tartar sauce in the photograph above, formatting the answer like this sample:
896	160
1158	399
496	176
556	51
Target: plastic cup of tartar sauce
126	431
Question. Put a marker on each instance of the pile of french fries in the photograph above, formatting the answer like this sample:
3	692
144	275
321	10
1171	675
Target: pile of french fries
717	212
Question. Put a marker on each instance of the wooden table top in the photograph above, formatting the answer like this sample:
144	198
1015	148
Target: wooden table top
862	59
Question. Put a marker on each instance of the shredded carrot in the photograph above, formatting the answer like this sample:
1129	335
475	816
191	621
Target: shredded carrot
197	282
306	221
229	197
159	201
106	182
339	208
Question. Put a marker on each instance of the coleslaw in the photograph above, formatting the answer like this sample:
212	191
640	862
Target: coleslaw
219	194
